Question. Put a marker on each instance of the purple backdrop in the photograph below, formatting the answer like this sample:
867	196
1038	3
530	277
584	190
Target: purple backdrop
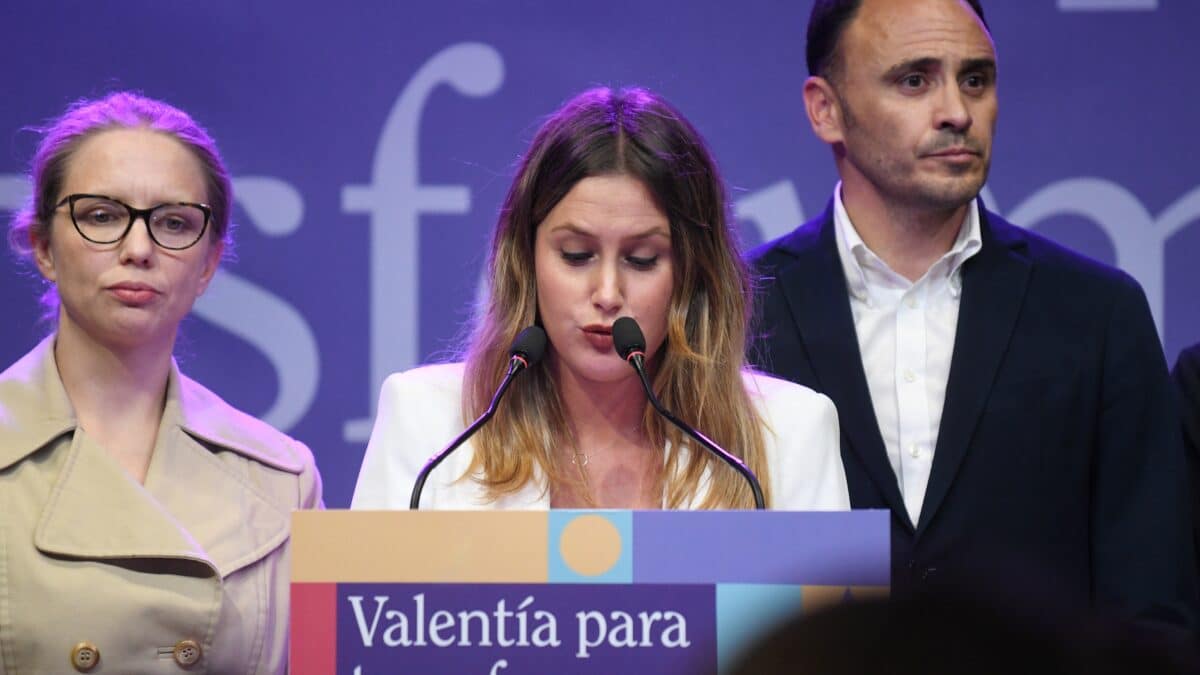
372	142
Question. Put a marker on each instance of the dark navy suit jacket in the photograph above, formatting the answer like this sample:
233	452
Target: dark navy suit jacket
1059	449
1187	380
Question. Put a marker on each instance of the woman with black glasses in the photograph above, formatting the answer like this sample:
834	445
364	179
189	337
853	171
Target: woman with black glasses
144	519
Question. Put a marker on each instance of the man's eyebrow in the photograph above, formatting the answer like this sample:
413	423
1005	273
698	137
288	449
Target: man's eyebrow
928	64
972	65
923	65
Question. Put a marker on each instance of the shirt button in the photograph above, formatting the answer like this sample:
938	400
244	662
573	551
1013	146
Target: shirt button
912	303
915	450
909	376
186	653
85	656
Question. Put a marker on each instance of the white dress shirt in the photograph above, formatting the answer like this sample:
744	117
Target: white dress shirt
420	411
906	338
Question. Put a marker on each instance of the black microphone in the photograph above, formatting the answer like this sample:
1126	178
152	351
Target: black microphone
526	351
631	345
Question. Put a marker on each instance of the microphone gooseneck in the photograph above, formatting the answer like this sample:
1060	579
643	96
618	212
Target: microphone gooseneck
631	346
526	351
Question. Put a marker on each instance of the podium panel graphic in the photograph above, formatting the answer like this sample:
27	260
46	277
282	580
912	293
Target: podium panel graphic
565	591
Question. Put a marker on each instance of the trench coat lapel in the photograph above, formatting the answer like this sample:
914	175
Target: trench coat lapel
199	502
211	497
97	511
34	409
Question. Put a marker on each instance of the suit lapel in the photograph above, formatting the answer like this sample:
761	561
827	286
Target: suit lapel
994	284
815	289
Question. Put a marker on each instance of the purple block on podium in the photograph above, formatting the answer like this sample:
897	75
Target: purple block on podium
774	547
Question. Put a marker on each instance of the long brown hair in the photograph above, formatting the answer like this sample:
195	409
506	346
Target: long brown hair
632	132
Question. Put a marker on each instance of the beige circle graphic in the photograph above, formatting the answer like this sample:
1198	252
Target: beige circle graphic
590	545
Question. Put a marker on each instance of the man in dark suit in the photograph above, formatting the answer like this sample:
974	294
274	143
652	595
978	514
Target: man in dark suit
1006	399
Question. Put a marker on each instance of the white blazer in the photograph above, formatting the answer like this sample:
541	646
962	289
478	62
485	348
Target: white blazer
420	411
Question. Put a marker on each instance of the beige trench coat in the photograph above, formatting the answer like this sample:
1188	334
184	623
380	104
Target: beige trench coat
199	553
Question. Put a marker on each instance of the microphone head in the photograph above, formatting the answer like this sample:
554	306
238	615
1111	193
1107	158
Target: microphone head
530	345
627	337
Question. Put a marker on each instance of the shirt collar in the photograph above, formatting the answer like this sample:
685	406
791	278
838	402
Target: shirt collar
857	257
966	245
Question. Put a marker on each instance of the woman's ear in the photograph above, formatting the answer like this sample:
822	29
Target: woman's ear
212	261
42	254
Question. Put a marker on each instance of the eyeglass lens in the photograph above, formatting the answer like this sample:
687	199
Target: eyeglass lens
105	221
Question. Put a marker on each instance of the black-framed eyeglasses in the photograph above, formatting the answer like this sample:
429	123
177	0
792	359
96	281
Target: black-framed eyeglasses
104	220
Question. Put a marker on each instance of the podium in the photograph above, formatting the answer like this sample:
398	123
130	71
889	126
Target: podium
564	591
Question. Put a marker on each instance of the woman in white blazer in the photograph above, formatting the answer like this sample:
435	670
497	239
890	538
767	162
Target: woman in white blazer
617	209
145	521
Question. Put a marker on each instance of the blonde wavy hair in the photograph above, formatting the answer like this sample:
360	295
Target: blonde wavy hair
632	132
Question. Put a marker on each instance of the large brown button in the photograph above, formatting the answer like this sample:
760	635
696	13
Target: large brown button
186	653
85	656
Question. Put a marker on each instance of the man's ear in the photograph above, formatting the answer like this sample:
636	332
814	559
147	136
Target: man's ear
42	255
824	109
212	261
